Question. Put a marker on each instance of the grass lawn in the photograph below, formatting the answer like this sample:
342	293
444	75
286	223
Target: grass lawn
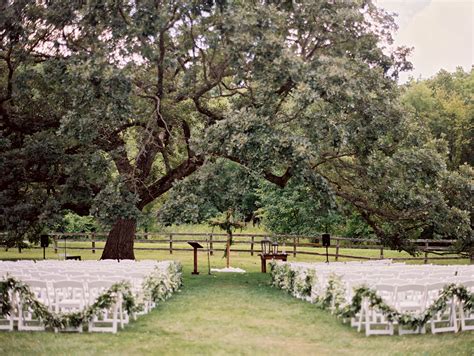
229	314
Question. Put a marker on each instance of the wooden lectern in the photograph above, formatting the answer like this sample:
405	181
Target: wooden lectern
195	246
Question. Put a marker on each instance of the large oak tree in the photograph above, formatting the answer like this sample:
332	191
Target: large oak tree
106	104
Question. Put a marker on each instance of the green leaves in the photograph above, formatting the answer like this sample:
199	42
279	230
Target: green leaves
108	105
299	208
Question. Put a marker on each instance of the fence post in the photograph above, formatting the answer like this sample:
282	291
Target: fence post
93	242
426	251
55	243
337	250
294	246
171	244
211	246
251	245
381	252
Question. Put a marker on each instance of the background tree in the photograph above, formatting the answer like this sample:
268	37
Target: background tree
227	222
43	173
444	105
306	209
212	190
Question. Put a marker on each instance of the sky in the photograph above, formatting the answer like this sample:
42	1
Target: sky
441	32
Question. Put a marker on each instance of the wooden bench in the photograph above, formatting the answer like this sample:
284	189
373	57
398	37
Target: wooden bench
271	256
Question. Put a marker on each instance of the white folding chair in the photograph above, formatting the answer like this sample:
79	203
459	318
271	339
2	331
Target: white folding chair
7	322
467	317
69	296
108	319
410	298
374	321
27	319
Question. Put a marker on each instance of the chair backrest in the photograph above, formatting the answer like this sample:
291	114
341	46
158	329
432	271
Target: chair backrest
100	284
412	276
386	292
433	290
411	292
469	285
67	289
53	277
96	288
417	288
39	289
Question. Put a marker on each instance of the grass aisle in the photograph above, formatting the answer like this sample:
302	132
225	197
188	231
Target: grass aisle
233	314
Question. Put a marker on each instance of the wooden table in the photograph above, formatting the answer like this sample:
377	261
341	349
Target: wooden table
271	256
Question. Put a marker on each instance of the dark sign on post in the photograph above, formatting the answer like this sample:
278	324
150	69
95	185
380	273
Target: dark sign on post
195	246
326	240
44	240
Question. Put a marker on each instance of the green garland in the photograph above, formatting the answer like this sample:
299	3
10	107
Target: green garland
62	321
162	285
413	321
284	277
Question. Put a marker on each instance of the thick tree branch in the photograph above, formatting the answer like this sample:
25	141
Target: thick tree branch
213	117
127	125
281	181
160	65
187	138
162	185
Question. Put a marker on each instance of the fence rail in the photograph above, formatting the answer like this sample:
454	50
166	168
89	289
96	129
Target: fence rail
292	244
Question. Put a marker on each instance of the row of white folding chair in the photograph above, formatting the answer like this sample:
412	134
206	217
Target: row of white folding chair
374	321
48	292
395	278
71	296
63	265
413	299
69	264
79	269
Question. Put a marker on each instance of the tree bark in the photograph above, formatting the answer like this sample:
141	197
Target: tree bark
119	245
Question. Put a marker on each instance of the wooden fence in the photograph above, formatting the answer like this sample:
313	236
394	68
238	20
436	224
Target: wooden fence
250	243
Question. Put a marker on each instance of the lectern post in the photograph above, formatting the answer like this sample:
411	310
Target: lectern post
326	243
195	246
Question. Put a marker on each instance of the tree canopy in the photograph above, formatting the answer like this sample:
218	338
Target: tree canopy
106	105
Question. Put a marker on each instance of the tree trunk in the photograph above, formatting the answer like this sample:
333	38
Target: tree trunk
119	245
